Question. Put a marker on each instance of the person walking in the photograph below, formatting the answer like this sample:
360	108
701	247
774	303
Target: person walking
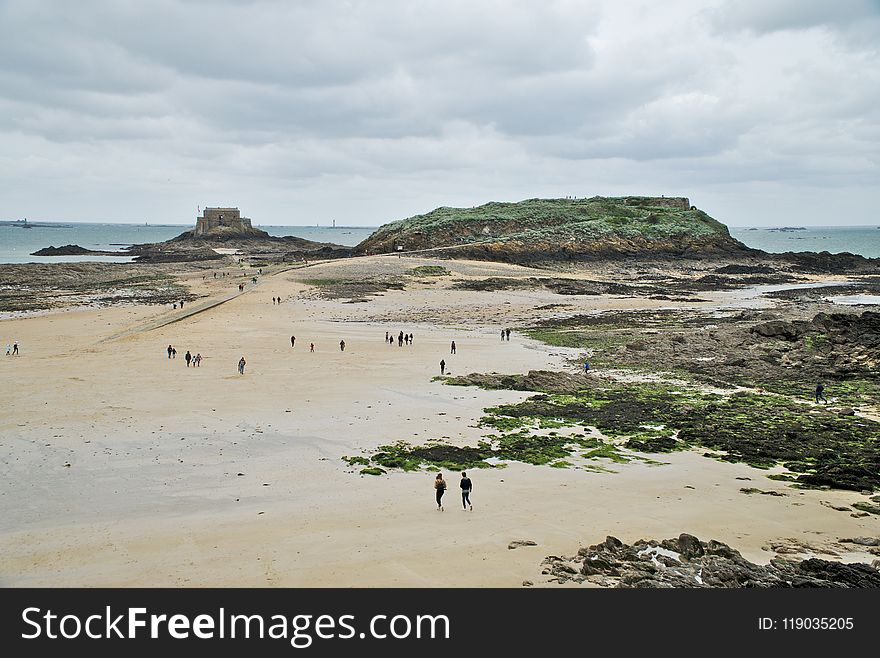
502	334
8	349
586	367
440	489
442	367
507	331
452	348
188	358
173	352
241	365
410	339
198	360
15	348
342	346
292	341
311	347
466	488
169	351
820	393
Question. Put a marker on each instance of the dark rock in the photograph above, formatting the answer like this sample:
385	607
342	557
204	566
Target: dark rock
777	329
518	543
690	546
713	564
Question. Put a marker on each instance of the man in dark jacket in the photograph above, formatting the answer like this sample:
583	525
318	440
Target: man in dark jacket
466	488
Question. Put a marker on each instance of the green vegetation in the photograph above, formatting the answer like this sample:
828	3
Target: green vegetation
430	270
819	447
541	221
372	471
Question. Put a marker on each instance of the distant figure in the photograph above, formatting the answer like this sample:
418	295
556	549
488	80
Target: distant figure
440	489
175	306
466	488
8	349
502	334
400	339
292	341
15	348
386	336
452	348
181	303
442	367
273	301
342	346
170	349
507	331
586	366
311	347
241	365
198	360
173	352
820	393
410	339
188	358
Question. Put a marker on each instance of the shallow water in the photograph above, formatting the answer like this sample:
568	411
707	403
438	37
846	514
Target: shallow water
854	300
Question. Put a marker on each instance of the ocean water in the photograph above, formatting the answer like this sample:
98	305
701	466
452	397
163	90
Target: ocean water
17	243
862	240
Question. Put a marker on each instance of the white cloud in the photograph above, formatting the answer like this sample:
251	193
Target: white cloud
365	112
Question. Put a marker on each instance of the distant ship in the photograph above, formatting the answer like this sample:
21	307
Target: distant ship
22	223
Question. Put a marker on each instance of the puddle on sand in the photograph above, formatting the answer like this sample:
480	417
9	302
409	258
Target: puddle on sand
854	300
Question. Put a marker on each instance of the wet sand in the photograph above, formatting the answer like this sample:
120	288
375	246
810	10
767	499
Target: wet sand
124	467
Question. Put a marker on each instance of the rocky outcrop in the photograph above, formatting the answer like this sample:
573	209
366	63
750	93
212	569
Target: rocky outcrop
554	230
73	250
686	561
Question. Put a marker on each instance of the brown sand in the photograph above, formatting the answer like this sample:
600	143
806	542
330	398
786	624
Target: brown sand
121	467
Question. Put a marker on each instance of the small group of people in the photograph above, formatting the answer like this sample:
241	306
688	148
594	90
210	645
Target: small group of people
176	304
276	300
240	287
505	334
464	484
12	349
402	339
195	360
172	352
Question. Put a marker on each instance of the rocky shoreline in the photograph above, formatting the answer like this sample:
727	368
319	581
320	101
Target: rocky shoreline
687	562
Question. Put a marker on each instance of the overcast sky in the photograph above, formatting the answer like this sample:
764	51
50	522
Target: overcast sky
762	112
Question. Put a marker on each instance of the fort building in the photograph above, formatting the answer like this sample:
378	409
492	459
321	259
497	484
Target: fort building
222	220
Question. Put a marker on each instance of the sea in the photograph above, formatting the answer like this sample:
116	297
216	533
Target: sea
17	243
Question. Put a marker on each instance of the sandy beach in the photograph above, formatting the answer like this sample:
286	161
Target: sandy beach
123	467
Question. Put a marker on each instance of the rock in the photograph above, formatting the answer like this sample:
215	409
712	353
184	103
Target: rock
713	564
846	411
777	329
527	583
521	542
862	541
690	546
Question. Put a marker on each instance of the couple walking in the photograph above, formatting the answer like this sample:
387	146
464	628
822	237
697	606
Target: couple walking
466	487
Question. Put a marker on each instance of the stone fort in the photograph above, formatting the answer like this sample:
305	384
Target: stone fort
217	220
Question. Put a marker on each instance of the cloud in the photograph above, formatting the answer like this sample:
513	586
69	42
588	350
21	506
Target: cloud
366	112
